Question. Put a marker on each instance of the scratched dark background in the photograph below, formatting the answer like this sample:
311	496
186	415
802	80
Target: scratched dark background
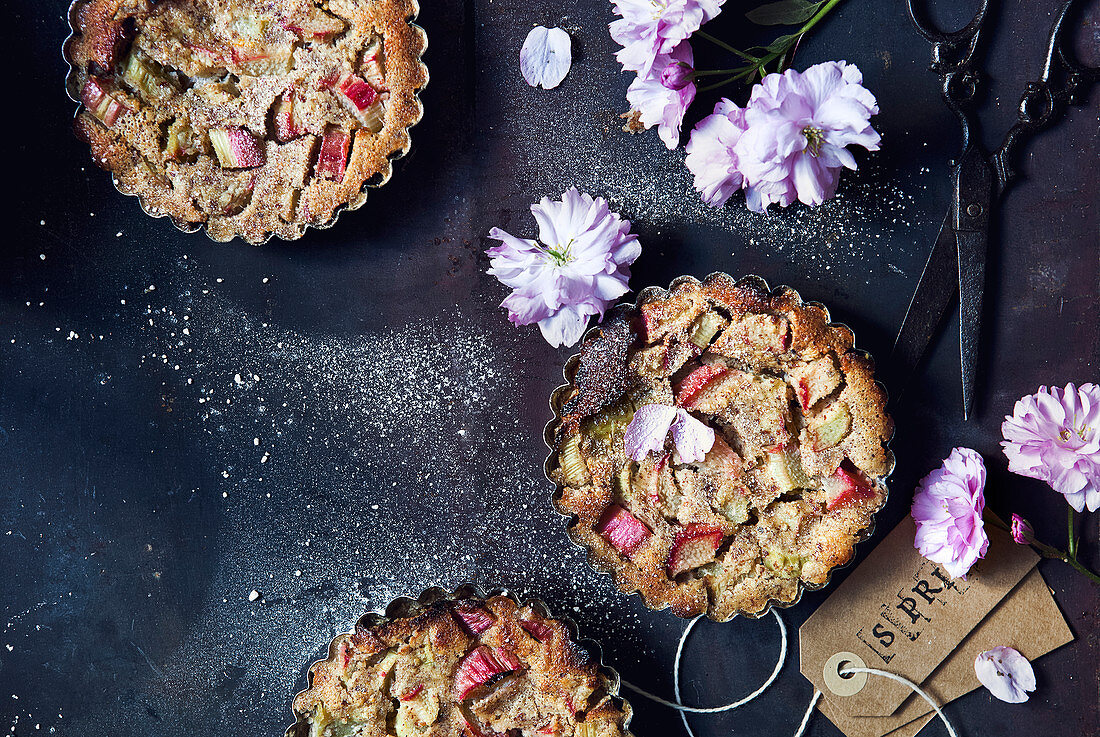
135	521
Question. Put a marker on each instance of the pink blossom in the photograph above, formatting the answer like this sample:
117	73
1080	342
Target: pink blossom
649	28
1054	436
580	267
947	508
799	126
648	430
658	101
712	153
1022	531
1006	673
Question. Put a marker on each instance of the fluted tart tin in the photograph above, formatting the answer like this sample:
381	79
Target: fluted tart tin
693	558
501	628
314	184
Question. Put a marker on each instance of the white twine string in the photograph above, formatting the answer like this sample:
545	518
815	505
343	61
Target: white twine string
846	670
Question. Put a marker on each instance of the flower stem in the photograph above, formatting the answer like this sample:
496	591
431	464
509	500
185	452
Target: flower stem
726	81
759	65
1071	541
1077	564
1048	551
711	72
719	42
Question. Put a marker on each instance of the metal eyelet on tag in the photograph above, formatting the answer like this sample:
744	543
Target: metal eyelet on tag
844	685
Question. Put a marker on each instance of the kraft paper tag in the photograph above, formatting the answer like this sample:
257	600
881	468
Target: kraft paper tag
1027	619
902	613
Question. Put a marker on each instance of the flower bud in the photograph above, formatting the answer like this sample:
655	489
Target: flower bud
677	75
1022	532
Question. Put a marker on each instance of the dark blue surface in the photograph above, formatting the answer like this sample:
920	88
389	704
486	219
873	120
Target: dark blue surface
401	415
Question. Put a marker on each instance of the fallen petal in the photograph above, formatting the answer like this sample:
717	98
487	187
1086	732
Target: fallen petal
693	438
647	430
1006	673
546	57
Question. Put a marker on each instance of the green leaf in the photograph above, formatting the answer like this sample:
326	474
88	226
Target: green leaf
784	12
783	43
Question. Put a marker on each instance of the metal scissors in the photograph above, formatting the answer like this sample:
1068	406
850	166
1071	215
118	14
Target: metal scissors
957	261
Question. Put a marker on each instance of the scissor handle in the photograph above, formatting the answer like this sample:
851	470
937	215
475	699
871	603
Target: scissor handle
1061	83
935	35
953	59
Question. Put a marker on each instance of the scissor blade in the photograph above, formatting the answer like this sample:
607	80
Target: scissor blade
972	253
937	287
970	219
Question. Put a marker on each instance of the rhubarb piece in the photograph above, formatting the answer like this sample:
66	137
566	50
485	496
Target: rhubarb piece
316	26
814	381
786	469
623	530
413	693
374	69
846	486
572	462
182	142
358	93
783	564
332	159
693	384
475	618
374	117
834	426
481	665
205	60
706	327
623	479
363	100
284	120
100	102
256	59
610	421
145	76
538	630
694	546
235	197
507	658
236	148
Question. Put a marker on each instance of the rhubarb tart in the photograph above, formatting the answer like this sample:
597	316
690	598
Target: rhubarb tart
461	665
719	446
251	117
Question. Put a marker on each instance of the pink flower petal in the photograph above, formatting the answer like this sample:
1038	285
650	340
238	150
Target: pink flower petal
546	57
798	129
947	509
1006	673
711	156
659	104
693	438
647	430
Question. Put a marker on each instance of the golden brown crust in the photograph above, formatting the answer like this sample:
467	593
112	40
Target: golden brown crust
795	475
229	66
411	675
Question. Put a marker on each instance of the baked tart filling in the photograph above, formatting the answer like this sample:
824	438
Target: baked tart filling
468	666
794	474
251	117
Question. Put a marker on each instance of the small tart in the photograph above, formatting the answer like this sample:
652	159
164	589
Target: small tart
794	477
251	117
483	667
